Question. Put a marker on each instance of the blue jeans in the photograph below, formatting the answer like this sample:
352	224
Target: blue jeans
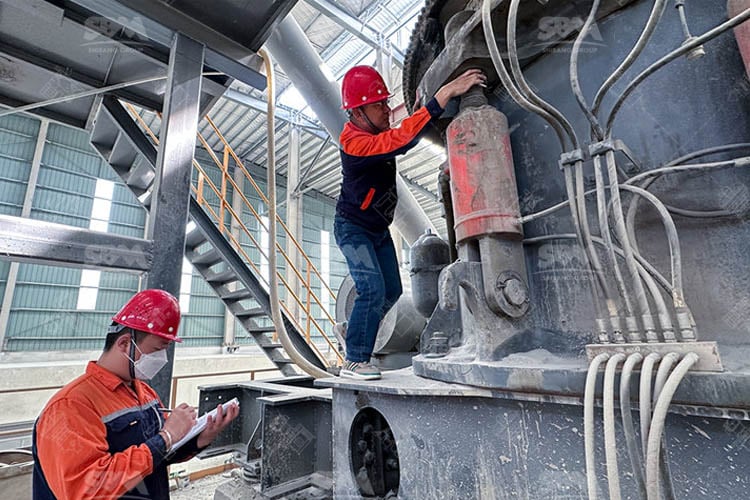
373	266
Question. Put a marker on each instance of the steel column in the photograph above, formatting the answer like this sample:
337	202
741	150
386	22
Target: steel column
302	64
169	211
10	284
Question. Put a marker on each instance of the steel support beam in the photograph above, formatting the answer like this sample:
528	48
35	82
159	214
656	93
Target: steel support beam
355	26
293	52
10	283
11	103
72	74
308	169
283	113
134	21
169	210
41	242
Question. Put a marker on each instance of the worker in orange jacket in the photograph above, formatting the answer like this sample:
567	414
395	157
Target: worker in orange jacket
368	198
104	435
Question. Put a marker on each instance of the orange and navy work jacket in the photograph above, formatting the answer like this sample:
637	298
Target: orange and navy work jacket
98	438
368	190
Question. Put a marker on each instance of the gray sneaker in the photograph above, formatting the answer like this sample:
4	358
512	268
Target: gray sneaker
360	371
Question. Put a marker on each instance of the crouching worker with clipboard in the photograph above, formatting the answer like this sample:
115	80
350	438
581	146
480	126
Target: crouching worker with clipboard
105	434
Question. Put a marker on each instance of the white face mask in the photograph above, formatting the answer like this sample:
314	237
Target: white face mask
148	365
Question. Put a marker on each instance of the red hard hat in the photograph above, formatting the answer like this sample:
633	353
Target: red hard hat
151	311
362	85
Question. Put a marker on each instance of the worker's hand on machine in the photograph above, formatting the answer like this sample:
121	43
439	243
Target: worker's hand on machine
460	85
215	425
181	420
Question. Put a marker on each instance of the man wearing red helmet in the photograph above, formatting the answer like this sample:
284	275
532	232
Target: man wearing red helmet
103	435
368	198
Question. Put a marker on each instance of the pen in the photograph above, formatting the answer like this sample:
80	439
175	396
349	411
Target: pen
165	410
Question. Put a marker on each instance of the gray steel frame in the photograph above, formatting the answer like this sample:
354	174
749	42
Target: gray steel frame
41	242
174	168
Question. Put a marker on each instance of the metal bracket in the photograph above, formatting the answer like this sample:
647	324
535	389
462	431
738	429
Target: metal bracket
607	145
708	352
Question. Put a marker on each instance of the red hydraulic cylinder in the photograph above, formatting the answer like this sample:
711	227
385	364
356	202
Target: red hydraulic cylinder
741	31
483	181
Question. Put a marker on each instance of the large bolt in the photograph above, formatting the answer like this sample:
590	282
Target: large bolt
438	346
515	292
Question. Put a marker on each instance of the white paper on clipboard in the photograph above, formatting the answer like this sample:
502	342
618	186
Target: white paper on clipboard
200	424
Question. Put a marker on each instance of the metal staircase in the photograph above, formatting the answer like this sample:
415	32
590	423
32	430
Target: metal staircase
120	141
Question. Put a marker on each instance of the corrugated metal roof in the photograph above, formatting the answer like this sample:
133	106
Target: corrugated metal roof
245	128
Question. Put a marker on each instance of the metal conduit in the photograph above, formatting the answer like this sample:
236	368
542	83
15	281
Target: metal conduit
278	321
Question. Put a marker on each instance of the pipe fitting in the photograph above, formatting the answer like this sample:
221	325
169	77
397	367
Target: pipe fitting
616	322
634	334
601	327
686	324
667	333
473	98
650	327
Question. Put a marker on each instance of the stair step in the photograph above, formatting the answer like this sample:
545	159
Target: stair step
194	239
283	361
250	313
123	153
261	329
271	346
103	149
237	295
105	131
222	277
122	170
145	199
141	173
208	258
139	193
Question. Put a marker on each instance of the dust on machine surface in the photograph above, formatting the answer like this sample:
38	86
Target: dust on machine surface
582	331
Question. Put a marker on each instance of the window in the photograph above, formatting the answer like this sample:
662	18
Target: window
99	221
185	285
102	205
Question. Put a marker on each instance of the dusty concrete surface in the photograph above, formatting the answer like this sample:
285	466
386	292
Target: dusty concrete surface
201	489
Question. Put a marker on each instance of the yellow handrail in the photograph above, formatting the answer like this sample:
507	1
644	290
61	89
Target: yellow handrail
288	259
226	208
263	197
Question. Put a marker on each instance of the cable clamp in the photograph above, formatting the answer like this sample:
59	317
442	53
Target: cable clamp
607	145
570	158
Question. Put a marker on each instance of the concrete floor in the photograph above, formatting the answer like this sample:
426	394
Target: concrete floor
201	489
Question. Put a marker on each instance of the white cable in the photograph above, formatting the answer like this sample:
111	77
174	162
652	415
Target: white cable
645	397
665	475
627	421
658	421
588	422
610	438
662	373
276	313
